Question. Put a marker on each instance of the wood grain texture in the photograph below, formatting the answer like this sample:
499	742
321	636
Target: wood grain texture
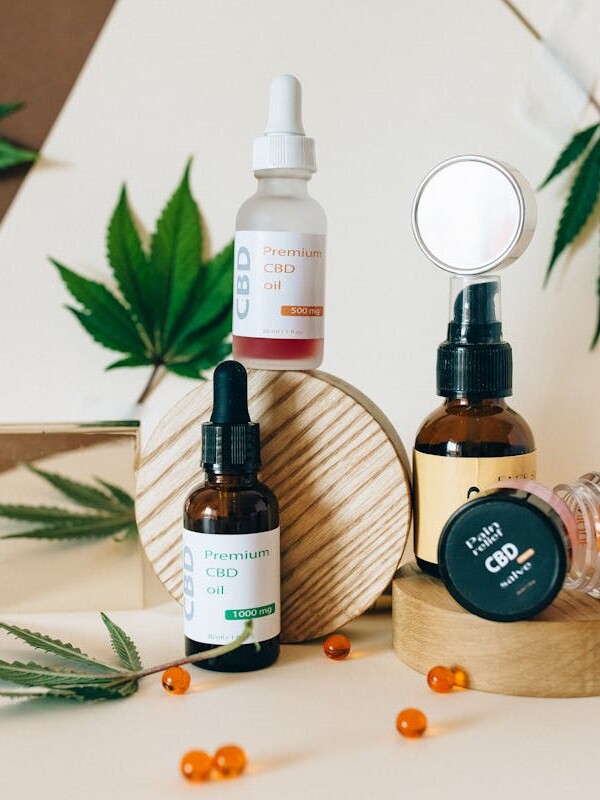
341	476
556	654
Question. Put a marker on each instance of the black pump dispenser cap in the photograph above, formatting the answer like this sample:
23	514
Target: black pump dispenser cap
230	442
474	361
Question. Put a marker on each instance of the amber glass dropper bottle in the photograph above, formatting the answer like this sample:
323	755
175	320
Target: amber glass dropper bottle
474	439
231	538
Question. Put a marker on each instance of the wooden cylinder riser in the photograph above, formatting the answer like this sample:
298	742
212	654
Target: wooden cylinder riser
556	654
340	474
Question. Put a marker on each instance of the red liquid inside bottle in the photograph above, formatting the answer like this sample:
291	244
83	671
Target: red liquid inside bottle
278	353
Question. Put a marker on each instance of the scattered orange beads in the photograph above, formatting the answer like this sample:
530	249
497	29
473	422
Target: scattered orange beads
336	647
411	723
176	680
196	766
230	761
461	679
441	679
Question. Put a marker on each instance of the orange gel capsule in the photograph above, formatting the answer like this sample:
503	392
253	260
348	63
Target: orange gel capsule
230	761
461	679
176	680
411	723
441	679
196	766
336	647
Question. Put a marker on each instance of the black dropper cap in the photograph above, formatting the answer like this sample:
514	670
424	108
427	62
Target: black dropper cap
474	361
230	442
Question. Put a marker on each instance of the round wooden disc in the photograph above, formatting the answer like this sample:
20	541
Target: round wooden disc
341	476
553	655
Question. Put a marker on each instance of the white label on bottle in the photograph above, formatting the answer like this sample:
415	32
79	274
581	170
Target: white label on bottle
230	579
279	285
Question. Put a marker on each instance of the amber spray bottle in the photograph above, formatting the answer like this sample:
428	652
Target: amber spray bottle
472	215
231	538
474	439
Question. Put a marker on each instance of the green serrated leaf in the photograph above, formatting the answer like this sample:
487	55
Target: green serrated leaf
43	514
100	304
99	331
187	370
130	361
571	152
208	303
122	645
122	497
202	361
31	694
81	685
10	108
580	204
130	265
82	493
115	507
176	257
32	674
127	689
105	692
177	309
94	529
219	275
11	155
208	337
40	641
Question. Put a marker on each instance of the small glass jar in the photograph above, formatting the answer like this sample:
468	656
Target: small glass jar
505	554
583	499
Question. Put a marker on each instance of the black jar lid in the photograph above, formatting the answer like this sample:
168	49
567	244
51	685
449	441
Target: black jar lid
503	555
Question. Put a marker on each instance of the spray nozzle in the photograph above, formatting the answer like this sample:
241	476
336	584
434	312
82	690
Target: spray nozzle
285	106
474	361
230	394
475	311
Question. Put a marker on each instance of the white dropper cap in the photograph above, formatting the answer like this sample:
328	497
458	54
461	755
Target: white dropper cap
284	144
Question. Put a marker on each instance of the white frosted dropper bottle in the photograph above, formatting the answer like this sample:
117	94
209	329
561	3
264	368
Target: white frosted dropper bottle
279	278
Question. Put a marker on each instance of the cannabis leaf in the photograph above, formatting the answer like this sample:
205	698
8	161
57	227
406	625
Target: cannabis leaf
582	199
122	645
113	507
571	152
99	681
10	154
173	310
40	641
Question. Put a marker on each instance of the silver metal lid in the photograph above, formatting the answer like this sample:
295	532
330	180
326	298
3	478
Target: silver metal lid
472	214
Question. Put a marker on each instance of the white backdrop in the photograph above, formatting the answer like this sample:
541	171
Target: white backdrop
390	89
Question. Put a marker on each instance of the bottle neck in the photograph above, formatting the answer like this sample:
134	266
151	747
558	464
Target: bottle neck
485	402
229	480
282	183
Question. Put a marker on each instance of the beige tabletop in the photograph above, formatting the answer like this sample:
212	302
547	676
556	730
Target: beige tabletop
311	727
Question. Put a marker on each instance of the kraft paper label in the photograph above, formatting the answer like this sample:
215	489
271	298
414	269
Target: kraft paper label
279	285
443	483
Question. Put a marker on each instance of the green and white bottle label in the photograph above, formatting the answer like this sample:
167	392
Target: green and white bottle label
229	579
